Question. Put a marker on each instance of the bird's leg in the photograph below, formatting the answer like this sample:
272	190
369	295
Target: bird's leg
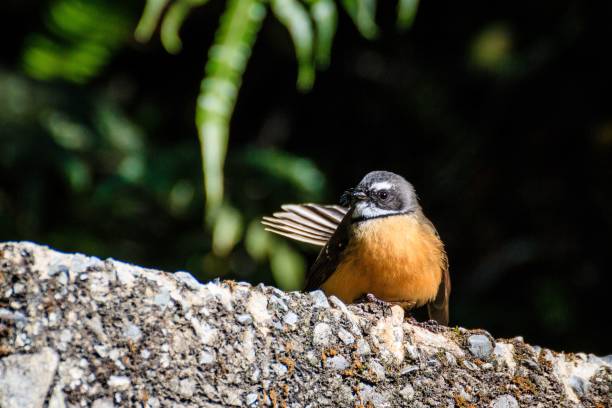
371	298
386	306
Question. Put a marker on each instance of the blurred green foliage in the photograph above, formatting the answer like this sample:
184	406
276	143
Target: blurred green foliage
82	36
65	140
227	60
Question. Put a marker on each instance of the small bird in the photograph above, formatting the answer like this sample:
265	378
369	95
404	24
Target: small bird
377	245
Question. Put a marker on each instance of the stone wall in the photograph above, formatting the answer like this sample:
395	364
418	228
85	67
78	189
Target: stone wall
79	331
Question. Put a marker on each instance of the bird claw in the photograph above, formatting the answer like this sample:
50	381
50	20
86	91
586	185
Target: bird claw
371	298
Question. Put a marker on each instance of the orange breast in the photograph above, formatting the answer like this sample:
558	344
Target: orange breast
397	259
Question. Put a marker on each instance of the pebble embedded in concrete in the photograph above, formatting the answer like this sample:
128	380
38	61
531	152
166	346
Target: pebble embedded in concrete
407	392
206	333
337	362
363	348
206	358
470	366
322	334
251	399
377	371
56	269
319	299
376	398
18	288
187	387
278	303
244	319
346	337
579	385
119	382
290	318
103	403
162	298
257	306
188	279
6	314
279	369
132	332
505	401
480	346
409	369
25	379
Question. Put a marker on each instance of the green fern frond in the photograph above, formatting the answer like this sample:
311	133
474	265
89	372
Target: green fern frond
231	49
363	14
226	63
325	16
294	16
406	12
149	19
173	20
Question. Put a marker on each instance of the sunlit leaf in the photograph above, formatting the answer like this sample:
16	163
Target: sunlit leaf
85	34
132	168
180	197
117	129
227	230
363	14
227	60
406	11
491	49
325	16
288	267
74	19
149	19
173	20
67	133
293	15
78	173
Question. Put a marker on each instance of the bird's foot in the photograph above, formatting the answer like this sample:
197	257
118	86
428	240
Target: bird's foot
410	318
372	299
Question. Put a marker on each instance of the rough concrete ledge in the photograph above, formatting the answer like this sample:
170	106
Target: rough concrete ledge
78	331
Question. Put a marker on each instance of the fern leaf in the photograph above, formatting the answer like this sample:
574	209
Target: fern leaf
293	15
325	16
227	59
406	12
173	20
363	14
149	19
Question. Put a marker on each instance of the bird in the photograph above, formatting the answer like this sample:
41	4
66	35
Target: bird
376	245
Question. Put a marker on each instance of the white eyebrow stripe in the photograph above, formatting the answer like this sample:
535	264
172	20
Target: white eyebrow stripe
381	185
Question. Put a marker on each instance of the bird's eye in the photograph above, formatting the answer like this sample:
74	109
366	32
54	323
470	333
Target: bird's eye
383	195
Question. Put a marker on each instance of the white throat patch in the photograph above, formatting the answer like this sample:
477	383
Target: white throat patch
365	210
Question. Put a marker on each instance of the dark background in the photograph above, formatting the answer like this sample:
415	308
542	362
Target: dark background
499	114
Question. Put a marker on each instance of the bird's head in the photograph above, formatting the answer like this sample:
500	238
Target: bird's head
380	194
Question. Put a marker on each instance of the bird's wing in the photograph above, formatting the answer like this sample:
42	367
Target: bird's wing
330	256
438	308
311	223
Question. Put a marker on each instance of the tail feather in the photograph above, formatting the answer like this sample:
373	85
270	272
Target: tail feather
310	223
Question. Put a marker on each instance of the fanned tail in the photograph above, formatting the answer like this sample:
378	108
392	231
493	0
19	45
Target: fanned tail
310	223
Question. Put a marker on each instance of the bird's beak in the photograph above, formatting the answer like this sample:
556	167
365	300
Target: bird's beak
351	196
358	195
